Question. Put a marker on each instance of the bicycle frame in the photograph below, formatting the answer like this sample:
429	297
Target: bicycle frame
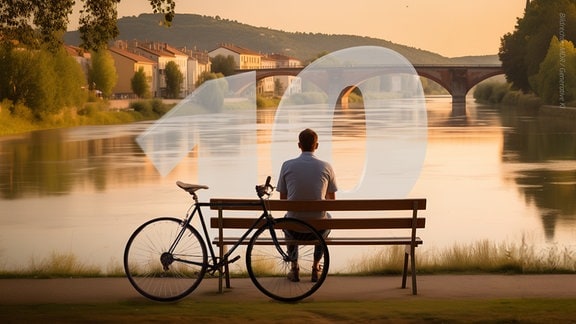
215	264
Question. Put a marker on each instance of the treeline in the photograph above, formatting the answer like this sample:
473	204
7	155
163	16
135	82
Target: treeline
37	83
539	56
494	92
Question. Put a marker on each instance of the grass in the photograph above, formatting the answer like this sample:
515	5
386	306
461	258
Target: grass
481	257
478	257
391	311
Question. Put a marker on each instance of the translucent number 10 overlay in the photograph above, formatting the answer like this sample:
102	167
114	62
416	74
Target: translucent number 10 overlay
219	118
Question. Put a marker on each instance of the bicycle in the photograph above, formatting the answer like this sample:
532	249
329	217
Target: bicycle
166	258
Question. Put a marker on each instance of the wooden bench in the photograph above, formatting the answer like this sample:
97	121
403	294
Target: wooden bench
409	224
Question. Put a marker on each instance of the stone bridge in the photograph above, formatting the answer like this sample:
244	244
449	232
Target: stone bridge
456	79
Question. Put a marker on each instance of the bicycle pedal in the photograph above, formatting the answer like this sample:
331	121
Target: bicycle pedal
236	258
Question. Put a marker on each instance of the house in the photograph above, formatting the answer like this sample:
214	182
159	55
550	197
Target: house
128	63
283	61
161	54
278	85
198	63
245	59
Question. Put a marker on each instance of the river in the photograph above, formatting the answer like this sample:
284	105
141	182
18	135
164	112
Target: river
488	175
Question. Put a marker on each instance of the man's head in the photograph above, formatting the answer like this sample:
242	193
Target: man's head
308	140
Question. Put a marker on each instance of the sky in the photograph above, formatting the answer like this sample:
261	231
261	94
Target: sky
447	27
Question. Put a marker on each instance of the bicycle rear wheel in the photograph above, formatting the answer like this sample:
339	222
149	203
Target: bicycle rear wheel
269	268
161	274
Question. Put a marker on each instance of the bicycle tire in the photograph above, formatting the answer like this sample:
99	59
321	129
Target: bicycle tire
152	270
269	270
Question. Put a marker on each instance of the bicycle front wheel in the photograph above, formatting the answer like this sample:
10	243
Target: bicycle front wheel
165	259
280	259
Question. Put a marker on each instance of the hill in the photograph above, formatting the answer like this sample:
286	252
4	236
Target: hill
205	33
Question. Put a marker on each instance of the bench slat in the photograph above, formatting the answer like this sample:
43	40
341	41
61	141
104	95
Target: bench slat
332	223
335	241
319	205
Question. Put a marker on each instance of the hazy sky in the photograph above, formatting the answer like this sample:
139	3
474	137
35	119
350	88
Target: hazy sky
450	28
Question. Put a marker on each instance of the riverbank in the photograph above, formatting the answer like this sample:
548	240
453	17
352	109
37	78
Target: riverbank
93	113
557	112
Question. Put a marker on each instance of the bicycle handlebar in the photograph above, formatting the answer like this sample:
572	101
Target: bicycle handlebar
265	189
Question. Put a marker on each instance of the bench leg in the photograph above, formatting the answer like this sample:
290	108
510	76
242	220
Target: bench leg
409	253
413	270
223	273
227	269
405	268
220	272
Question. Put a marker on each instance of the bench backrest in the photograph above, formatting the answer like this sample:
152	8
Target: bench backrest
413	222
319	205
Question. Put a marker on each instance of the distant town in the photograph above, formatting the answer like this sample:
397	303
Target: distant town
152	57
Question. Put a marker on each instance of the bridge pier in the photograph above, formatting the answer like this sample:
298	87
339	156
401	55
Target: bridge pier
458	105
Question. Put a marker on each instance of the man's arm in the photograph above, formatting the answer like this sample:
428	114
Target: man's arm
283	195
330	196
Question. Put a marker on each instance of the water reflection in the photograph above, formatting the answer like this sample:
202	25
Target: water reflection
540	152
488	175
57	162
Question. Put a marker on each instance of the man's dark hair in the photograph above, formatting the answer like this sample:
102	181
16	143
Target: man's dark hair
308	140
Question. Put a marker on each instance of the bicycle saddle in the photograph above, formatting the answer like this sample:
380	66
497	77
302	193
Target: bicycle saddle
191	188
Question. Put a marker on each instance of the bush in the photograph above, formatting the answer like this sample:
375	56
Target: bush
150	109
491	92
143	107
159	108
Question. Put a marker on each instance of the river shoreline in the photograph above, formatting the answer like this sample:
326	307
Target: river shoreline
557	111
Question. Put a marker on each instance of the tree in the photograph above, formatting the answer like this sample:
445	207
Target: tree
223	64
139	84
555	82
35	23
71	80
43	81
205	76
522	51
278	88
174	79
102	74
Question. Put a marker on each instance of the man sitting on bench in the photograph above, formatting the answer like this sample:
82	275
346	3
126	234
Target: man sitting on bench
306	178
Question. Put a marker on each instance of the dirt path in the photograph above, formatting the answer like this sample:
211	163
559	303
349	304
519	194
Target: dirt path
98	290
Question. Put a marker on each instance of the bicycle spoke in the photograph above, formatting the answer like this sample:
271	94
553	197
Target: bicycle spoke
158	273
269	268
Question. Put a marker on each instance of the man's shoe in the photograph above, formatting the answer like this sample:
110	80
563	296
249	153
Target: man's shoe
294	275
316	273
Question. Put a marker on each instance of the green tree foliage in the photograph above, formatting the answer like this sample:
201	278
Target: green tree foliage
223	64
98	23
555	82
139	84
43	22
102	74
522	51
98	20
174	79
205	76
42	81
278	88
35	23
211	95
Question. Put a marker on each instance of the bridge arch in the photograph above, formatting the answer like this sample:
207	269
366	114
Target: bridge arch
456	79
